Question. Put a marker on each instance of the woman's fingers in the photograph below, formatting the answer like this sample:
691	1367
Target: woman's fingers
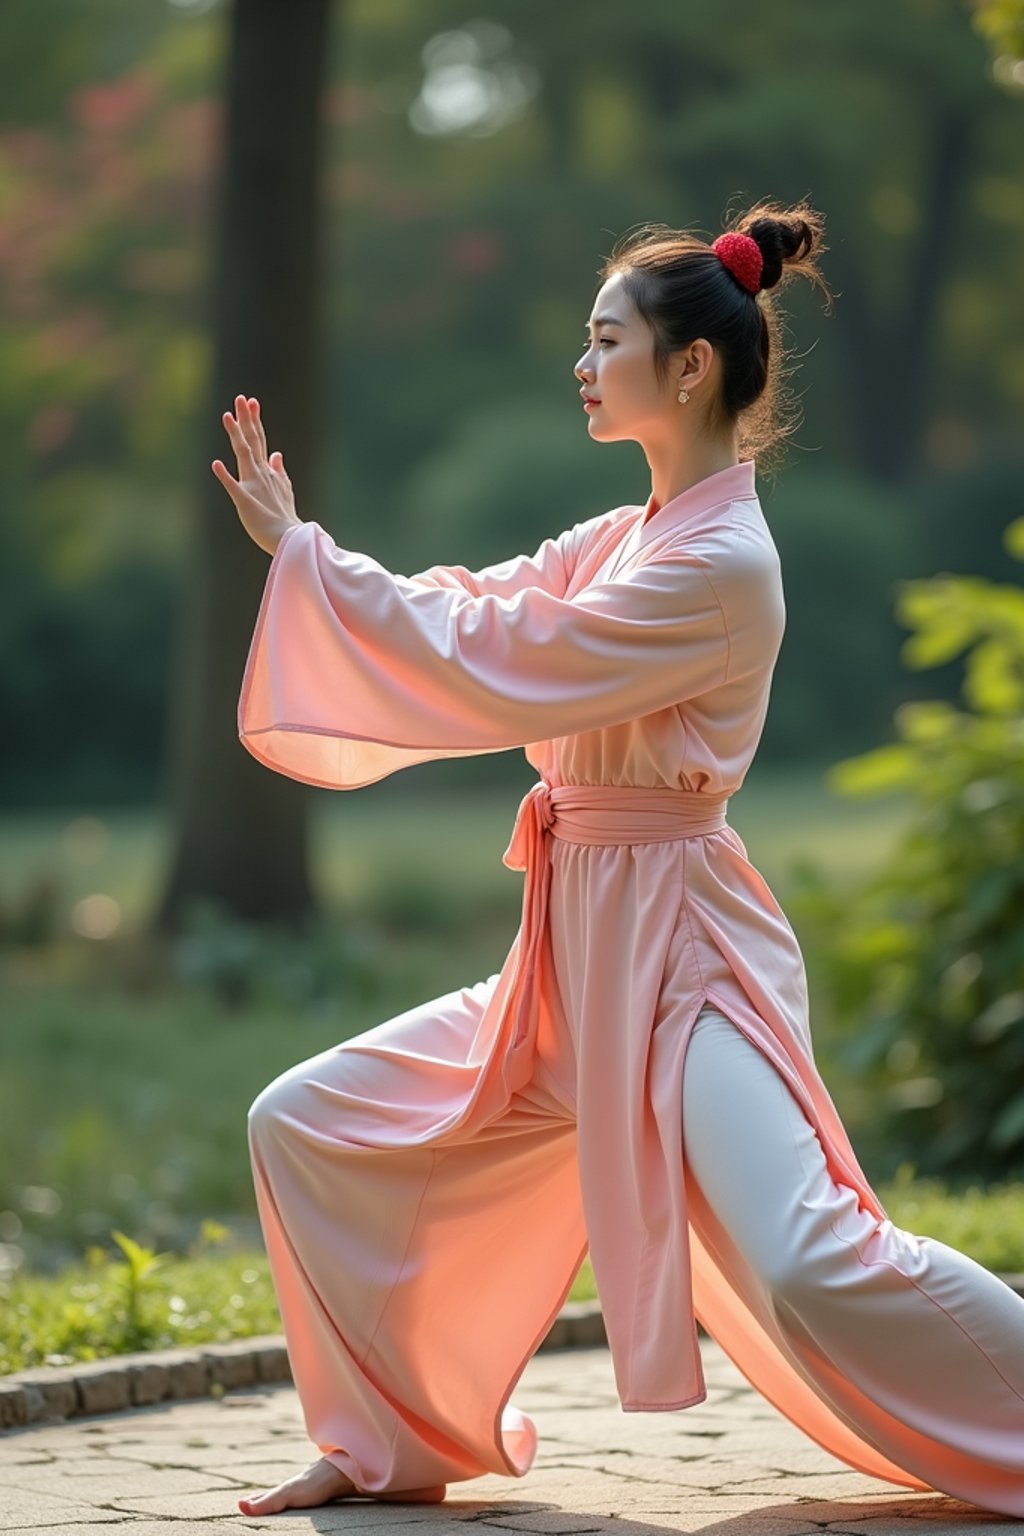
228	481
253	516
246	414
249	430
250	424
257	425
243	452
246	432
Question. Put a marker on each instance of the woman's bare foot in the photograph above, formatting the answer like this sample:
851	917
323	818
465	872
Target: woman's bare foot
322	1482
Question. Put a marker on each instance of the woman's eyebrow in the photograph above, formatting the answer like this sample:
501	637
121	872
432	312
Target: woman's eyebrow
605	320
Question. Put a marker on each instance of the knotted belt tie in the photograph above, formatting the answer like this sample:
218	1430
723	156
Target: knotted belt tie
590	813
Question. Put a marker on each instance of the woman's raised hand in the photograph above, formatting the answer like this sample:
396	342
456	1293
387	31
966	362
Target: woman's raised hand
262	494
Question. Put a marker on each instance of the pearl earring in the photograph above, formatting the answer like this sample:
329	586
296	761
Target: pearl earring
684	395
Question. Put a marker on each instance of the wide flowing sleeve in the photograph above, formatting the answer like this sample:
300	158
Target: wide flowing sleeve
550	568
354	672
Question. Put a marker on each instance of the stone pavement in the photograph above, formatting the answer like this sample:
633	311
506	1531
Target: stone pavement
732	1465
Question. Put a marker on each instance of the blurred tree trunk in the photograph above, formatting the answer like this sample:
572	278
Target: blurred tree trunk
238	830
892	405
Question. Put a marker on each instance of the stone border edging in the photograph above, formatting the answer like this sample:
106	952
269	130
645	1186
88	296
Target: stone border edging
52	1394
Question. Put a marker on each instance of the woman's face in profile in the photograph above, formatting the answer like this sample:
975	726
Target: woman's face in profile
617	370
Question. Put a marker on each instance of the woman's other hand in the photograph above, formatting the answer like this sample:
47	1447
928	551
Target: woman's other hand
262	494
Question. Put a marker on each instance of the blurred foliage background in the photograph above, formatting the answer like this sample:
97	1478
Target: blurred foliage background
478	165
479	161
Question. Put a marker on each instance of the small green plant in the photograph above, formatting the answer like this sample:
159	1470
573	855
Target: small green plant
101	1307
131	1280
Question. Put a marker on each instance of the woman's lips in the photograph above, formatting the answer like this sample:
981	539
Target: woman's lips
589	404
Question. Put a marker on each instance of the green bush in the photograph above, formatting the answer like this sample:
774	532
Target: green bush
924	962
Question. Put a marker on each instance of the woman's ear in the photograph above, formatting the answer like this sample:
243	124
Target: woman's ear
692	363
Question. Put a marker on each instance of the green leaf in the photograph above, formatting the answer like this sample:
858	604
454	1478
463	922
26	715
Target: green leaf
927	720
880	943
945	638
993	682
1013	538
873	773
141	1261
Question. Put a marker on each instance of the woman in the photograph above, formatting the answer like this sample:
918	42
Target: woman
428	1189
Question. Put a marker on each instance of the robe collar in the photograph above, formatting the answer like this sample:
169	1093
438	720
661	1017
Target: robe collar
734	483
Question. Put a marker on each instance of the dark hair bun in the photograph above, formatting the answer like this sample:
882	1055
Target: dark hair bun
786	236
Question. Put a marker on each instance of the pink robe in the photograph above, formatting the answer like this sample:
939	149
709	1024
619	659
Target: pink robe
632	654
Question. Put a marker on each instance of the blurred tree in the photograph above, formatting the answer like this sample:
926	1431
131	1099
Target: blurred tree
239	832
477	167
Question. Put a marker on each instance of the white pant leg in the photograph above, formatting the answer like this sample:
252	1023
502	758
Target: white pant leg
934	1340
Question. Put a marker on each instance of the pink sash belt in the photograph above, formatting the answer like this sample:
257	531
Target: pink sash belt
589	813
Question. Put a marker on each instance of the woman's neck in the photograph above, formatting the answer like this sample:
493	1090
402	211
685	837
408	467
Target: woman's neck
677	466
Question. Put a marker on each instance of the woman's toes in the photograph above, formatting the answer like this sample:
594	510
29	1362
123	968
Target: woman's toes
266	1503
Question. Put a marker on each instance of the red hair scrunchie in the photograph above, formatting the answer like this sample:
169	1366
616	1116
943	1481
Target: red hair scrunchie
741	254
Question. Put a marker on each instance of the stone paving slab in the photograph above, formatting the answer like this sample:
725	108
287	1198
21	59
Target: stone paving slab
732	1465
